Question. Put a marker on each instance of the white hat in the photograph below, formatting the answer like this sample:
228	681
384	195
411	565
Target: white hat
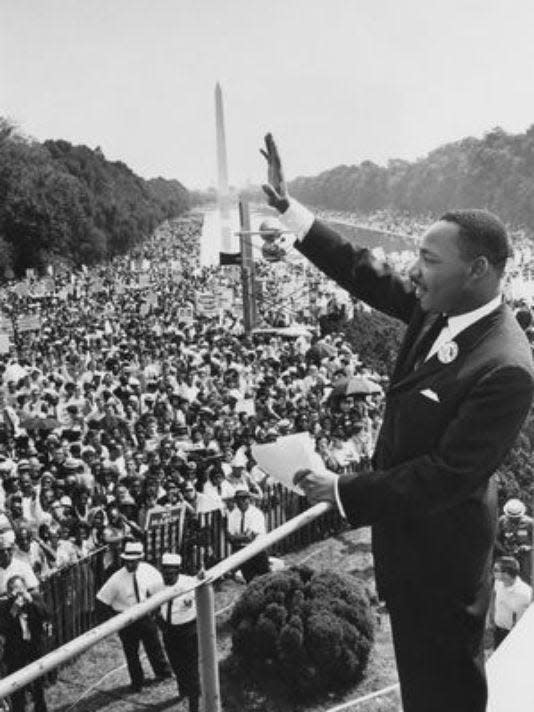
514	508
133	550
169	559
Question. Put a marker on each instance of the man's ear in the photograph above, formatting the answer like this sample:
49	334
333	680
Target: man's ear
479	267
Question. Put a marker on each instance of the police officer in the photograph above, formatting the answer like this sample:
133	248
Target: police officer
177	620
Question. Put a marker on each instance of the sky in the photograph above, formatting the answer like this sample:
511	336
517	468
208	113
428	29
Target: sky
335	81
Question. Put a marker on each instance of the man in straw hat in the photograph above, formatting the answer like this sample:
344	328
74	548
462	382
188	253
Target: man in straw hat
134	582
245	523
177	620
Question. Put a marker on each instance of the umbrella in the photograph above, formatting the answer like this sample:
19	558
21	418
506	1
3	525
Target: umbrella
356	386
321	350
36	423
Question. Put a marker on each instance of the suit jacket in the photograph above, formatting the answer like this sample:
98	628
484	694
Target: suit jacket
16	654
431	498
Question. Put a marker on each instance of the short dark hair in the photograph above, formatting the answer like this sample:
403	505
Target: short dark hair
481	233
508	565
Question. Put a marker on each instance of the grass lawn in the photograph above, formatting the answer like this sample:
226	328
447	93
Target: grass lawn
98	680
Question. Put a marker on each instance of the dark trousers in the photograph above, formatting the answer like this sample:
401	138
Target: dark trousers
144	630
181	646
25	655
18	699
439	651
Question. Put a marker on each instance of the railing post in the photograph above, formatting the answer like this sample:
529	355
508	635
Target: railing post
207	648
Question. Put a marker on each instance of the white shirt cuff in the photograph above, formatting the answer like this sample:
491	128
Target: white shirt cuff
338	500
297	218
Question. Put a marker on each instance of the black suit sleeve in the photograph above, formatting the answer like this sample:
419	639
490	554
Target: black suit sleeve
471	448
39	607
357	271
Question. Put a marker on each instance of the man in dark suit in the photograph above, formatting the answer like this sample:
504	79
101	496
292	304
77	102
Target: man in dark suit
460	390
22	629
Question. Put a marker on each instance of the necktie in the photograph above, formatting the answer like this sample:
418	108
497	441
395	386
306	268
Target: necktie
219	489
136	588
169	612
242	522
422	344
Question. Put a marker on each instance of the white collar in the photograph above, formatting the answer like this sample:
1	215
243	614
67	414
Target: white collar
458	323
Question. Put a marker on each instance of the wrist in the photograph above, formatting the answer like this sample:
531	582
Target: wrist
282	205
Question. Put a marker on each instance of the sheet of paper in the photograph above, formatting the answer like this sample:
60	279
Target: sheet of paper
281	459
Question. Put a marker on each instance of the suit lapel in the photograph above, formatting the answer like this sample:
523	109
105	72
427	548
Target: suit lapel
414	327
466	340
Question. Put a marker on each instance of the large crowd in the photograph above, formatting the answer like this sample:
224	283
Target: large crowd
131	388
124	397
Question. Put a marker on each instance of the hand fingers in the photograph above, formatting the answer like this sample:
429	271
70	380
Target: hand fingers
264	153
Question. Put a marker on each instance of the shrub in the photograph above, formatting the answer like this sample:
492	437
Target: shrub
315	629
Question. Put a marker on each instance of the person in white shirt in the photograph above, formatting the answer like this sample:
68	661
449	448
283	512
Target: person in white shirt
28	550
218	488
131	584
512	597
245	523
10	567
177	620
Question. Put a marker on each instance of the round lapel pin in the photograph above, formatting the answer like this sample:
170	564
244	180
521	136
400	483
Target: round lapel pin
448	352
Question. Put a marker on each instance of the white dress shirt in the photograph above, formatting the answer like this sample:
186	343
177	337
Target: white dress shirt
183	608
511	602
254	521
119	590
460	322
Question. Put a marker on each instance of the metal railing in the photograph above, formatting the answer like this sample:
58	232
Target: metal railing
204	593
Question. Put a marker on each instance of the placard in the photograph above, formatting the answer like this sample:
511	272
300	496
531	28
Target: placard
168	515
185	315
30	322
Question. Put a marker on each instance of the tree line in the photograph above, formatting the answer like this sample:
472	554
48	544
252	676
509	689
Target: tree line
67	204
495	172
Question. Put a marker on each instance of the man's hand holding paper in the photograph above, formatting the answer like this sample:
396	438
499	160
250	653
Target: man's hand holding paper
317	486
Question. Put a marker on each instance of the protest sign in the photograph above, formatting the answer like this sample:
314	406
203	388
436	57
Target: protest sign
165	516
185	315
206	304
6	325
4	343
152	299
226	299
144	281
28	322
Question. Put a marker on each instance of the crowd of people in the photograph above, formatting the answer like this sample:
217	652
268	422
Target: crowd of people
122	395
125	401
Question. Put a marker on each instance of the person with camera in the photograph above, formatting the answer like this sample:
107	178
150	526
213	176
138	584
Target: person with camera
23	621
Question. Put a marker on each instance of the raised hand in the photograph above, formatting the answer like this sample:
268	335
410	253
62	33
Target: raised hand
275	189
